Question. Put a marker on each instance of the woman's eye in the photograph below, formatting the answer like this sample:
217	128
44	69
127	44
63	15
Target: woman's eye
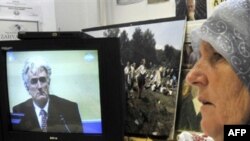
216	57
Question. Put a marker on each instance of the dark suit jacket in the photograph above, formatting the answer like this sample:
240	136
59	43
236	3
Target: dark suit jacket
62	114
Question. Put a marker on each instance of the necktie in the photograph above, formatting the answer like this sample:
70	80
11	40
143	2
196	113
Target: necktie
44	120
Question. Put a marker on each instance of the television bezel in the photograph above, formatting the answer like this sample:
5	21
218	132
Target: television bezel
111	88
1	134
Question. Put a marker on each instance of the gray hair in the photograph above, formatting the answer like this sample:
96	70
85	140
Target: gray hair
227	30
32	64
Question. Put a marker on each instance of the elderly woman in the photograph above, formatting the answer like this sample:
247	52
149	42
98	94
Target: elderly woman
222	73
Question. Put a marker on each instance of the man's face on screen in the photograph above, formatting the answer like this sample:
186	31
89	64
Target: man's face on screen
38	86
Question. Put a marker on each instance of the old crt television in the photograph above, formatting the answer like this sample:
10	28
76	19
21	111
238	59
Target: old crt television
84	72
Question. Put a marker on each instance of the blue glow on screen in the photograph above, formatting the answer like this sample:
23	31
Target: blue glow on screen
11	56
89	57
93	126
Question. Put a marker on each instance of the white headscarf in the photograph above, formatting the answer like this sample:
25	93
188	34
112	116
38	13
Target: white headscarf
228	31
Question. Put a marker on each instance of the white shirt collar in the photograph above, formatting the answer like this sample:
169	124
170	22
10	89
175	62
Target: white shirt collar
38	109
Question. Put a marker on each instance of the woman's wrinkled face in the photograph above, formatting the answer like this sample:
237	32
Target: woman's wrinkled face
224	98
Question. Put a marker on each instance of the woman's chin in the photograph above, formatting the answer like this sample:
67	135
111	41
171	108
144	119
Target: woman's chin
204	126
211	128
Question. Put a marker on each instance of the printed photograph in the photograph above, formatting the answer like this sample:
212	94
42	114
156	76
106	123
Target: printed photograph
188	115
10	28
190	48
150	57
193	9
212	4
190	56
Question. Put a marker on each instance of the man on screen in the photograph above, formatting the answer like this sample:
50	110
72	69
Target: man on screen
44	112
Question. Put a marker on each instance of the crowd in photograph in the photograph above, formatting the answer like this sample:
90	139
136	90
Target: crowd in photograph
156	78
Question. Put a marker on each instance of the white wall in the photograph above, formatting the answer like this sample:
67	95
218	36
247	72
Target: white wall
138	11
74	15
48	20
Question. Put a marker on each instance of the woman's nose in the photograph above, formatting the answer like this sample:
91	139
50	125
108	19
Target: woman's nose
197	75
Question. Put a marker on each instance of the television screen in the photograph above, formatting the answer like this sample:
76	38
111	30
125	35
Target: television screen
62	89
68	86
150	59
